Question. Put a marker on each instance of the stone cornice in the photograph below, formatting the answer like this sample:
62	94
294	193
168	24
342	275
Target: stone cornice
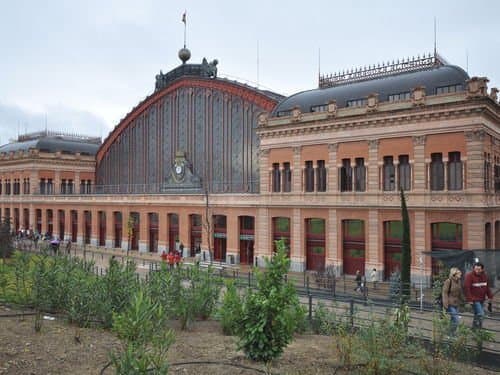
386	115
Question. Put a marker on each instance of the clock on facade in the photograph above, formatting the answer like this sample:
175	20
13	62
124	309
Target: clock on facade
178	169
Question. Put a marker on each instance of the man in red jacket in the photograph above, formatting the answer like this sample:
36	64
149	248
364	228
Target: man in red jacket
476	288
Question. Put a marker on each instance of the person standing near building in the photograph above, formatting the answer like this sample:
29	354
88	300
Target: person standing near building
453	296
359	282
477	288
373	277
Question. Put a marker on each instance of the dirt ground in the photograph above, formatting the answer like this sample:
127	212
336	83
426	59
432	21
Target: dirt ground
56	351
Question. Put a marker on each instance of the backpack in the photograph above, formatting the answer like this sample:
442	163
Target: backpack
438	301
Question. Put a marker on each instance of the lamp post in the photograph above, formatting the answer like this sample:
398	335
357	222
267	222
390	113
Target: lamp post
421	263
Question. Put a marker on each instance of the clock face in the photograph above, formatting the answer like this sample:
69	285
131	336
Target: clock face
178	169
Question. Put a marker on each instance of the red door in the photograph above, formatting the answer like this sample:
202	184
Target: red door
353	246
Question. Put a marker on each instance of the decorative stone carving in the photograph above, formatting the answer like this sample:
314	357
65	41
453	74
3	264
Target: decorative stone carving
477	87
418	95
494	94
263	119
296	114
372	102
181	176
419	140
373	144
297	150
333	147
332	108
475	135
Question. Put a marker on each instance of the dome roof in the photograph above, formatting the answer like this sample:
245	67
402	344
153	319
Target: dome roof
431	79
51	143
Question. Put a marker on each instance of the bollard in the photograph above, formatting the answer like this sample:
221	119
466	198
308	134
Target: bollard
351	311
249	280
307	284
310	307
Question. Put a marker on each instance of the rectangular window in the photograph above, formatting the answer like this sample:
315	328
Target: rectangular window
309	176
357	102
346	175
388	172
321	176
360	175
404	172
287	177
487	171
42	186
454	171
70	187
437	172
50	186
449	89
276	178
497	175
319	108
399	97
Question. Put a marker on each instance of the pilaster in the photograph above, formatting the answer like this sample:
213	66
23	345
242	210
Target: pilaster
332	167
475	161
297	170
297	247
419	168
373	177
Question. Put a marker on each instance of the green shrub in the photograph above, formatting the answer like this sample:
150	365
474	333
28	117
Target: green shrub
323	320
142	328
230	311
268	323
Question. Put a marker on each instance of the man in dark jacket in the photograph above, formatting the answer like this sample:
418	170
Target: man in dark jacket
477	288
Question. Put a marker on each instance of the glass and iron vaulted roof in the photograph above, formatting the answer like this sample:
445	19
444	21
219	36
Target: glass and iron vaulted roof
386	81
48	141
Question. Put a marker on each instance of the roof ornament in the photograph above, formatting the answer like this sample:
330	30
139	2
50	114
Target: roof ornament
184	53
413	64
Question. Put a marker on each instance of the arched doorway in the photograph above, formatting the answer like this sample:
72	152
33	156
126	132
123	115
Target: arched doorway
393	236
220	237
62	221
118	229
135	223
196	230
87	226
153	232
281	231
173	231
74	225
315	244
102	228
247	229
353	239
445	236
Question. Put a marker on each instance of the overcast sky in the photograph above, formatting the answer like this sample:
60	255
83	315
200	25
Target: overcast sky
82	66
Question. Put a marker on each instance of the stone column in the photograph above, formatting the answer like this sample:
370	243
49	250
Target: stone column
143	231
34	182
297	171
374	244
373	177
334	252
475	161
419	166
184	227
262	234
110	230
333	185
264	171
125	217
297	243
162	231
475	231
94	227
418	247
57	182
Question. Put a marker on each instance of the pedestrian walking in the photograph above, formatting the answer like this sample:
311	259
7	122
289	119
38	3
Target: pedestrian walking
359	282
373	278
477	288
453	296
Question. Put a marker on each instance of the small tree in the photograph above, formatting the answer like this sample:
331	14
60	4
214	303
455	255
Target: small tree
6	244
405	252
268	314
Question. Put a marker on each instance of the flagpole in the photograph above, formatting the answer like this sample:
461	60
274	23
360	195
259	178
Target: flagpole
184	20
